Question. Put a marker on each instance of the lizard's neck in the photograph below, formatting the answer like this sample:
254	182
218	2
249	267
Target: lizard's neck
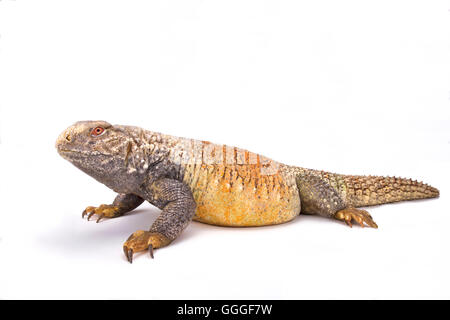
152	155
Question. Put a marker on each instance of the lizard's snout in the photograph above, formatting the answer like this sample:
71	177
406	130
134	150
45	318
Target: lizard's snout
63	140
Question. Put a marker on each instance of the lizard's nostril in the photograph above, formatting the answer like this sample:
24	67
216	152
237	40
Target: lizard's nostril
68	137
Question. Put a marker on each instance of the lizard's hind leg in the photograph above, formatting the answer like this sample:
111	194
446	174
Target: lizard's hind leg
319	197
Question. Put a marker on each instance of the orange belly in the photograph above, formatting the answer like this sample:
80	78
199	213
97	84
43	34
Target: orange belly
241	195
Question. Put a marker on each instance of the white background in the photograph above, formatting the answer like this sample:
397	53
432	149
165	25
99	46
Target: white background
357	87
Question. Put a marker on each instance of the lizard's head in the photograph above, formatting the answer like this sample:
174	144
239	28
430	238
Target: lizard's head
100	150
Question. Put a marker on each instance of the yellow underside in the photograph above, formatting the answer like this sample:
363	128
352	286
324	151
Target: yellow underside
240	196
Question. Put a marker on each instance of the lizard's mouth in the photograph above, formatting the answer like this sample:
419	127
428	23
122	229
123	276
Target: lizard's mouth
69	154
78	153
67	151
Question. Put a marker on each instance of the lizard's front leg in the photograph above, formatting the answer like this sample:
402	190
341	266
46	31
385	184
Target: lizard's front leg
178	207
122	204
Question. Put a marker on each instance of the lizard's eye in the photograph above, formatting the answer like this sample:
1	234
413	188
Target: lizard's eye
97	131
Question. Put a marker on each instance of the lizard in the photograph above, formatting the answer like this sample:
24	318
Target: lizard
215	184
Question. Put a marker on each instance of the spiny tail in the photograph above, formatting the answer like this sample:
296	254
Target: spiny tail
361	191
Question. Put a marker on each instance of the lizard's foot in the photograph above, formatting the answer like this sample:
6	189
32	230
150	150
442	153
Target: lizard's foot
143	240
359	215
105	210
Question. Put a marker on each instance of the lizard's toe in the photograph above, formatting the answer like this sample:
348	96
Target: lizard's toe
143	240
362	217
104	210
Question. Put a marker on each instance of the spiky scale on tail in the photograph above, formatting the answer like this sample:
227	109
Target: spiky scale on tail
364	191
336	195
361	191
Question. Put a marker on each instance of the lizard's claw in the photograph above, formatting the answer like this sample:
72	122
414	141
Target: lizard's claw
150	250
360	216
128	254
105	210
143	240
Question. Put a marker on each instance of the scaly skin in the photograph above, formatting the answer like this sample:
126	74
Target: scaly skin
216	184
